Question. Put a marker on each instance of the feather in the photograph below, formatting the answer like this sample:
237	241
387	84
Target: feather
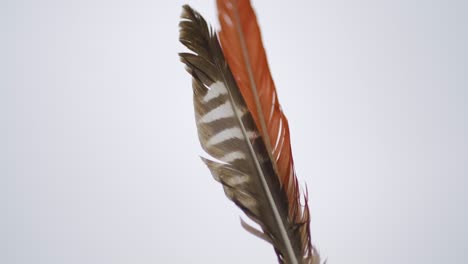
234	132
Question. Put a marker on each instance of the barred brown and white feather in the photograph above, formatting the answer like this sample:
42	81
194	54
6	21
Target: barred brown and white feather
228	133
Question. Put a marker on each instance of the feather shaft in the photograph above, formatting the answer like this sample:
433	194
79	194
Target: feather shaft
290	252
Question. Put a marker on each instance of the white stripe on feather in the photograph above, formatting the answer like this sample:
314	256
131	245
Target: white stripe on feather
237	179
233	132
216	89
232	156
252	135
240	112
222	111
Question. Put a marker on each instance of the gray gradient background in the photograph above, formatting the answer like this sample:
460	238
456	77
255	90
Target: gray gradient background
98	147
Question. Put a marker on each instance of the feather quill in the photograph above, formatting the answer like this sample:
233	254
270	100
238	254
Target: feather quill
241	126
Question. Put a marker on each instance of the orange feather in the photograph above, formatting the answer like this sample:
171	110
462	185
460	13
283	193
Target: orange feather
241	41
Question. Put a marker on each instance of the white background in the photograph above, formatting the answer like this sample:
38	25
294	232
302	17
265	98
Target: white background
98	146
